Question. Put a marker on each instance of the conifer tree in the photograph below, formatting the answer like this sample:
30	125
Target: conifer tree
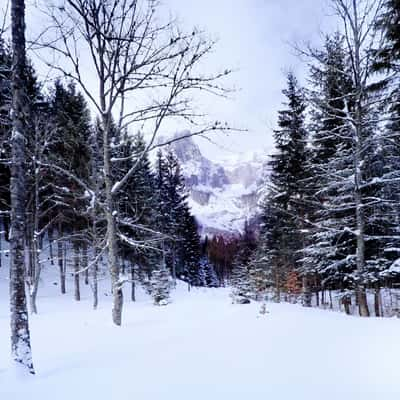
137	219
352	227
160	286
330	165
241	264
68	154
210	276
284	208
190	250
181	244
387	56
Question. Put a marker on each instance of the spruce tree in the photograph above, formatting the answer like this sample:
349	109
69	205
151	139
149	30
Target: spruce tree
241	264
329	181
137	219
181	244
68	154
284	208
387	56
210	276
190	249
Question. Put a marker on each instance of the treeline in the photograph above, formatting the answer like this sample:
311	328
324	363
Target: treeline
82	186
331	212
65	228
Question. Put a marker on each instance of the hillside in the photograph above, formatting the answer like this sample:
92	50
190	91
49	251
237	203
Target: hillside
223	194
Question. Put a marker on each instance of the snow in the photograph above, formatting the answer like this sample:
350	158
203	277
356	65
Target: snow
231	185
225	210
199	347
395	267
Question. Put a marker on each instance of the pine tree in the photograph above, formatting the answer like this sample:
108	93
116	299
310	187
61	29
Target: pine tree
68	154
265	261
137	219
210	276
388	22
354	223
330	166
190	250
181	244
386	62
284	209
241	264
160	286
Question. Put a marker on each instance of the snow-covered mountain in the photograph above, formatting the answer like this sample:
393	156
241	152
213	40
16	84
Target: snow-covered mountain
222	195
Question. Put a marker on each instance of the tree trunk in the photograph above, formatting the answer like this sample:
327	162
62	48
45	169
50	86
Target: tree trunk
133	294
36	247
95	282
94	214
20	335
35	278
377	296
173	272
359	142
6	222
362	302
111	228
77	290
306	292
277	287
50	238
60	260
85	262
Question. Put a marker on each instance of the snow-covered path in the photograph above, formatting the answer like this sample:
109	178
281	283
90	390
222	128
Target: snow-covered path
202	347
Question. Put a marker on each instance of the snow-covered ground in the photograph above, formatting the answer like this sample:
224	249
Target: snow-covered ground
201	347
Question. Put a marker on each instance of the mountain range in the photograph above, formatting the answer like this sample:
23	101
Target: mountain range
222	195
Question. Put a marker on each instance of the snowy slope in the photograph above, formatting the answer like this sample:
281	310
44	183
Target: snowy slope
200	347
222	195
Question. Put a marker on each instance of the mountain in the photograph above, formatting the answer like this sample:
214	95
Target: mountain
222	195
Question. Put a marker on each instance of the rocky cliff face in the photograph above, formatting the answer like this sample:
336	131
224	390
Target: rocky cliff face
222	195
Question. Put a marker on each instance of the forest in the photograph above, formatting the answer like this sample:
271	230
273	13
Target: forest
90	193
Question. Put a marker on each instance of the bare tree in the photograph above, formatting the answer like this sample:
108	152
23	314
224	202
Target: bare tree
20	336
134	57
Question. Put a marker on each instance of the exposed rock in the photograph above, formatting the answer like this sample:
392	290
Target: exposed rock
222	196
199	196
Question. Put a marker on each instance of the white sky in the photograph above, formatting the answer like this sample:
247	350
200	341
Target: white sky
255	36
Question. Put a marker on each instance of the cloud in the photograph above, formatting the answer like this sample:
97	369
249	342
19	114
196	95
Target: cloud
254	37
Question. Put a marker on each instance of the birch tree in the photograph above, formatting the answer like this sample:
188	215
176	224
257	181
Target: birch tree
20	335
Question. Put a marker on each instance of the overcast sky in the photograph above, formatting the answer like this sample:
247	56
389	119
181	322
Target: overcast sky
254	37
